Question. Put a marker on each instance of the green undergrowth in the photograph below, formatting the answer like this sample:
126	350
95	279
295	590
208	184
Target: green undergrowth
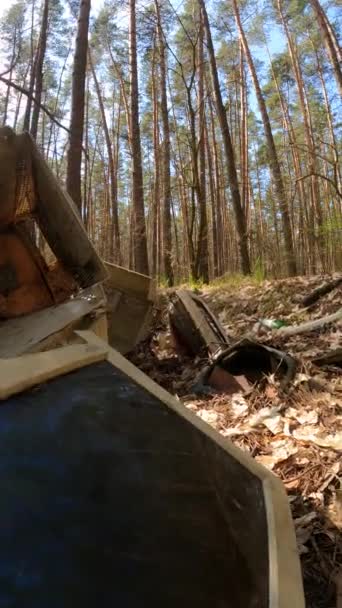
228	281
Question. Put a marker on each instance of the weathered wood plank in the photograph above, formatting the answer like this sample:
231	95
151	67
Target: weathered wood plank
129	281
130	297
60	222
194	326
21	373
21	334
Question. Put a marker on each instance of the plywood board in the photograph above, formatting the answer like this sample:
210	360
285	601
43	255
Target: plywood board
129	281
130	297
194	324
60	221
20	335
21	373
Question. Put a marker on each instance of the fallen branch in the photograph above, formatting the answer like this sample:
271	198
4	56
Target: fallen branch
310	325
21	89
317	293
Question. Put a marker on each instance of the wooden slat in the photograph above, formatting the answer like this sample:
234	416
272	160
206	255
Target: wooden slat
195	326
22	373
20	335
129	281
60	221
130	297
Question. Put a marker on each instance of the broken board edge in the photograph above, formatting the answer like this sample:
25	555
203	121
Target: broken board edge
129	281
60	221
21	373
285	584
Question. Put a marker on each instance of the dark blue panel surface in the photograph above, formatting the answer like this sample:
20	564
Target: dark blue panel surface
105	501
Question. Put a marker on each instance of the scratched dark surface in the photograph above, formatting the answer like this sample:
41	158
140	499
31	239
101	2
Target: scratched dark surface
105	500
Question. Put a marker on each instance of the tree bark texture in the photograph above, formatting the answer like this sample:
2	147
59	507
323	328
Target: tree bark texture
140	258
229	152
74	155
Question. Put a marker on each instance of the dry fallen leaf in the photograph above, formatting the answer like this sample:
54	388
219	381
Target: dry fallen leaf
303	416
318	436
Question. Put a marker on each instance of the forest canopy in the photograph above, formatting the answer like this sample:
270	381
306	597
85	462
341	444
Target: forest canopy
197	138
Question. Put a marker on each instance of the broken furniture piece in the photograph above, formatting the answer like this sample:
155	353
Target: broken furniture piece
49	270
246	363
110	484
194	326
130	297
55	325
50	273
45	253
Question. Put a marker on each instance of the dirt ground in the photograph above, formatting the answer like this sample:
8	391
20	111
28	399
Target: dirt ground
298	433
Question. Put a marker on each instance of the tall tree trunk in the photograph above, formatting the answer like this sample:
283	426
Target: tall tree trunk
213	243
229	152
188	243
308	134
140	258
112	172
202	261
218	197
167	237
303	210
155	270
244	135
39	69
337	176
8	90
85	206
33	58
272	152
74	156
330	41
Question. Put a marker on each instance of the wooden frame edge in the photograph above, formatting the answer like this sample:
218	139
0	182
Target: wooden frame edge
285	584
26	371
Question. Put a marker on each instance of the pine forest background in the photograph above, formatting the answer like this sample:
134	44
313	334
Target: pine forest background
196	138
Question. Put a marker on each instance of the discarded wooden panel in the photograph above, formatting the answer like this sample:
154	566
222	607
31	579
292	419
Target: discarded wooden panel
194	325
22	286
31	199
130	296
117	486
61	224
7	176
22	373
52	326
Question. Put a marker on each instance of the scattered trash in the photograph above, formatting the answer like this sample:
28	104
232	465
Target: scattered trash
271	323
277	397
246	363
194	326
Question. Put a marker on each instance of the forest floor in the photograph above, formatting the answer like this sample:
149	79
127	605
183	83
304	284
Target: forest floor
297	434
